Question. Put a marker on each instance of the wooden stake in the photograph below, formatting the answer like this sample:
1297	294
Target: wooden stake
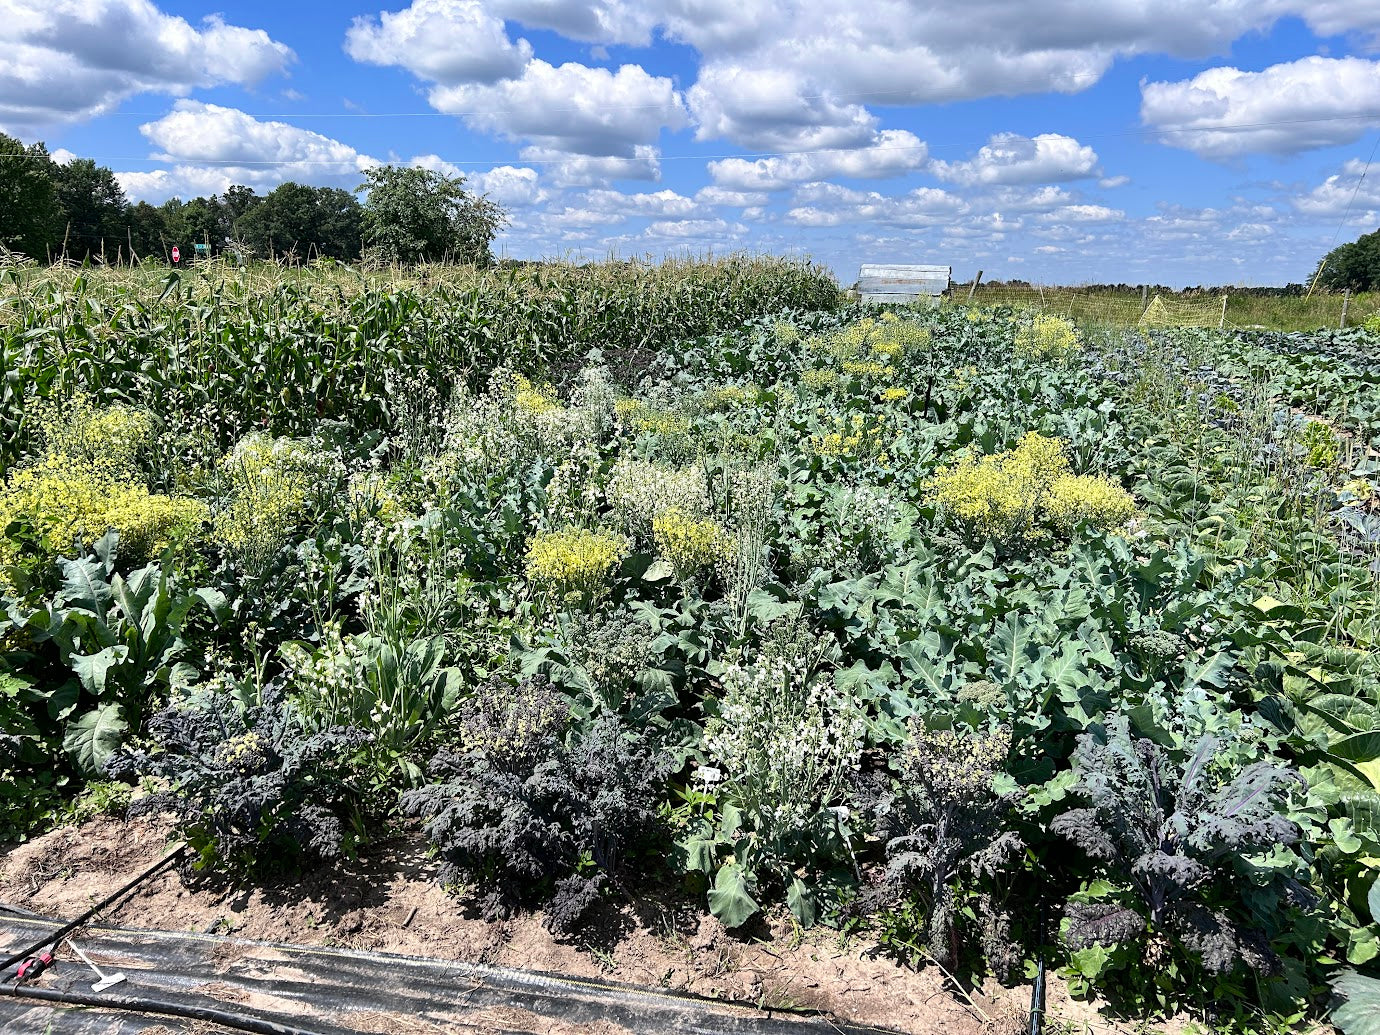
1346	301
976	281
1223	321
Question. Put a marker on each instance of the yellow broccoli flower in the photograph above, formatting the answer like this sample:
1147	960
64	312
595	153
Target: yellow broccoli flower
689	545
1047	337
575	561
1074	499
66	502
1017	494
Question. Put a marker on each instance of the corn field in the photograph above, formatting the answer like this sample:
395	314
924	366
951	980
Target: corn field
282	349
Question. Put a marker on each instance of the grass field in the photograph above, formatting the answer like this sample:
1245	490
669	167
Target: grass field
1269	312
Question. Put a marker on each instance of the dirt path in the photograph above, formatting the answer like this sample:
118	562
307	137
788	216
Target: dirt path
389	902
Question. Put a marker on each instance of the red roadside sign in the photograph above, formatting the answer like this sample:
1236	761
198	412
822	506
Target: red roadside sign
176	254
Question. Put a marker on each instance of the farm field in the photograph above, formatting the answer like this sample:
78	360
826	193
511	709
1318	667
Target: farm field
1247	308
962	641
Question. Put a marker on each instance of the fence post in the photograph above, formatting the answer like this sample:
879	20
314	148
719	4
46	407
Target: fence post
976	281
1143	292
1223	321
1346	301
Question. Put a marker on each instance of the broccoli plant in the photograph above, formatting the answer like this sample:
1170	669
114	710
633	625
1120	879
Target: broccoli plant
1173	840
251	789
526	816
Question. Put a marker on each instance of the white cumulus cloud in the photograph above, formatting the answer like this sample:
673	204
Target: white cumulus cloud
445	41
63	61
1009	158
1287	108
571	108
213	147
1344	193
891	153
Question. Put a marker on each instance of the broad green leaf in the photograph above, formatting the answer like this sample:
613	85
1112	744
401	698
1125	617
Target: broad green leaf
1011	648
767	607
730	898
94	737
84	586
658	571
93	669
700	853
215	602
1360	747
1212	671
1363	946
1359	1013
1344	835
802	903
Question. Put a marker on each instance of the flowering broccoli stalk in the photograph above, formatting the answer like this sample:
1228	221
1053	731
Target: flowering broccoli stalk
1024	493
575	562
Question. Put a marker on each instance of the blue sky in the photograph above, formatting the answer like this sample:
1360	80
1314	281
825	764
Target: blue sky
1212	141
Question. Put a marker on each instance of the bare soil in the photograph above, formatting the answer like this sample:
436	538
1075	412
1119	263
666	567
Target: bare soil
388	901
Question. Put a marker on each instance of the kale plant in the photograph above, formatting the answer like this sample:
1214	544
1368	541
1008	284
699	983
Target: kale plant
1174	840
252	788
527	816
945	828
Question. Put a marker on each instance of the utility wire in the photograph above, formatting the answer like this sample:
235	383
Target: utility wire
1346	213
746	156
853	98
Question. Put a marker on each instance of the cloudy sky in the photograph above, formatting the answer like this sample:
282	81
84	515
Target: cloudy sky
1173	141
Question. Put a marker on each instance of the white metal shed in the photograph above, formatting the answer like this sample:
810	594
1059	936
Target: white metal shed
893	282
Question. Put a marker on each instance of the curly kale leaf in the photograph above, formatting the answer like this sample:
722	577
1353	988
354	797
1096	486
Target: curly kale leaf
1174	836
252	789
523	823
1101	923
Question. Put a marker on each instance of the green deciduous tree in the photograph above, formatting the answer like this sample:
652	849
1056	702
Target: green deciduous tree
416	215
28	200
1355	265
148	230
93	209
305	221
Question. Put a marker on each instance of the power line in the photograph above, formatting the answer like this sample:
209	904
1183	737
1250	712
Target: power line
745	156
1355	191
856	98
1346	213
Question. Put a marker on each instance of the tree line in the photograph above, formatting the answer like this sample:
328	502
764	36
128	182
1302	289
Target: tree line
1355	265
51	211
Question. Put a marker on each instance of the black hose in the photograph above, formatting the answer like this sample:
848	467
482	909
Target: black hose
68	928
138	1004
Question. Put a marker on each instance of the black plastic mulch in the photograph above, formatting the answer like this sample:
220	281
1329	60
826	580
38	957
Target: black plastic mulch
326	991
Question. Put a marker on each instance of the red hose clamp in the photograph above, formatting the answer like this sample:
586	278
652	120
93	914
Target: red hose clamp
32	967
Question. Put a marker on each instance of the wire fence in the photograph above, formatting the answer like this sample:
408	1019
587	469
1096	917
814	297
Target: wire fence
1131	307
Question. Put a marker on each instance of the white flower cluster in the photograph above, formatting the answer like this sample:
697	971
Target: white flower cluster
748	509
573	496
330	683
478	434
783	746
510	420
640	491
592	414
861	524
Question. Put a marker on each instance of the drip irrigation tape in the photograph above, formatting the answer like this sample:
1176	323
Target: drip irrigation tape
71	926
140	1004
1037	989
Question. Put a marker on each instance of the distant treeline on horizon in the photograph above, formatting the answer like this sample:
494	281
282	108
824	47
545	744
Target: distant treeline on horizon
1287	291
